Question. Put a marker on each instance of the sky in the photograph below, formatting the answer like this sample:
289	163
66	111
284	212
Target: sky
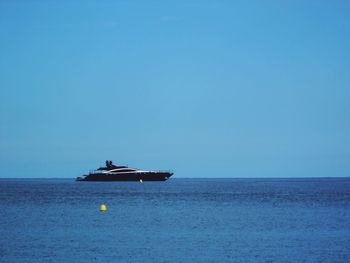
203	88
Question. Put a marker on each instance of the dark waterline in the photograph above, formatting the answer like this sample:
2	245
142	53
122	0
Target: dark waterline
181	220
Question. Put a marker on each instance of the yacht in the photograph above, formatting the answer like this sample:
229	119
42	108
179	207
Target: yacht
113	172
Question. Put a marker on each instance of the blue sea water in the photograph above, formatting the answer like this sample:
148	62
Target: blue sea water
181	220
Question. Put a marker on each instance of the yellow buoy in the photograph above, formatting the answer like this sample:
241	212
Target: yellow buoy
141	181
103	208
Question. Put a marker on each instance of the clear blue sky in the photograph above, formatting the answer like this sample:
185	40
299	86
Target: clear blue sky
205	88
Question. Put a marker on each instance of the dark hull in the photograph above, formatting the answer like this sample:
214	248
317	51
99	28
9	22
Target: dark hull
147	176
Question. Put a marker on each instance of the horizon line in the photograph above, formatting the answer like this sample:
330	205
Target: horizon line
306	177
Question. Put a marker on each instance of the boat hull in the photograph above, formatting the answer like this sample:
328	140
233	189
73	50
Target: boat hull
125	177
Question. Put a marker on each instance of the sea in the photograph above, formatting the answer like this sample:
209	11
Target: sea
180	220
